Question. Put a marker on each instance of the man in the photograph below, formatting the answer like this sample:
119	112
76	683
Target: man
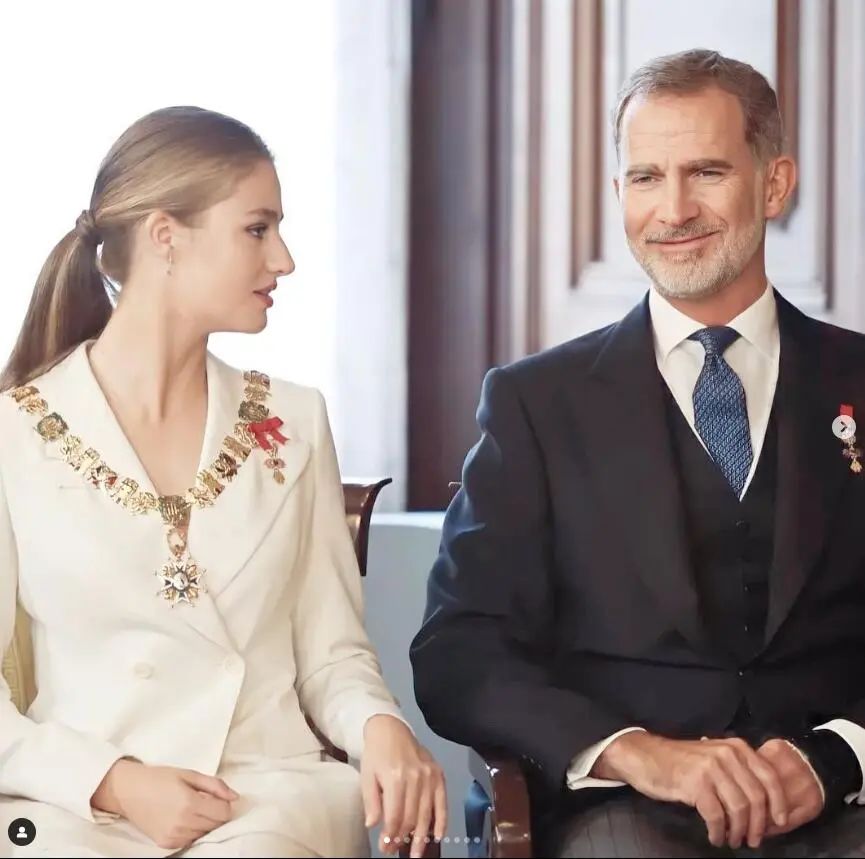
653	576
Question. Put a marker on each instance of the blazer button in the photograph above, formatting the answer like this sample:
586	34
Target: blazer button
143	670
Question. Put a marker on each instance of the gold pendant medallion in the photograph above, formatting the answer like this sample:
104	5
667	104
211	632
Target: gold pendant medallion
181	576
181	580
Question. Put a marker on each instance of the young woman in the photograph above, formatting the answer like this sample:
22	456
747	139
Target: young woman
174	529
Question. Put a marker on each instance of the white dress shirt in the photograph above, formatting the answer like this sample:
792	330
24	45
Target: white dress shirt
754	357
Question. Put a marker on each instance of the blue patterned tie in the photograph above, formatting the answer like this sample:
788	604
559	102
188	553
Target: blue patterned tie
720	413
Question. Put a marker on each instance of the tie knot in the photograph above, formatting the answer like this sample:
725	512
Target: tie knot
715	340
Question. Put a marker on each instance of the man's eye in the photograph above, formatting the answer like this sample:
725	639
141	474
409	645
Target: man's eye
642	180
709	173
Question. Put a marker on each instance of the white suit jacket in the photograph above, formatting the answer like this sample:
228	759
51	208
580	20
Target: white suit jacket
118	670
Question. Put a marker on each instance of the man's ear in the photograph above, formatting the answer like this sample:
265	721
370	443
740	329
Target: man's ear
781	177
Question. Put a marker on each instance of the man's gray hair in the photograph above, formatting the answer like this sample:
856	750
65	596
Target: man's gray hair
695	70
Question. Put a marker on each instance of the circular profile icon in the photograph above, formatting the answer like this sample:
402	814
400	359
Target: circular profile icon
22	831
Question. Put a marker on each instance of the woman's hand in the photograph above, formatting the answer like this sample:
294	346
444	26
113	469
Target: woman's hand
173	807
402	784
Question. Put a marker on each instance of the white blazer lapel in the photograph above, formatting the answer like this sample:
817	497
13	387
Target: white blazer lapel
224	536
72	391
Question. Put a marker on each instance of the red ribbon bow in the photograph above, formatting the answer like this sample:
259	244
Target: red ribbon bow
263	429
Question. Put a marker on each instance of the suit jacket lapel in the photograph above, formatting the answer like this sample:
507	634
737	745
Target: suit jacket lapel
812	472
639	480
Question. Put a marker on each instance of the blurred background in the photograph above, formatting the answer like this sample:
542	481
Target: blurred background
446	169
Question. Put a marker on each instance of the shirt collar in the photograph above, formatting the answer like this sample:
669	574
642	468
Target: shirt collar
757	324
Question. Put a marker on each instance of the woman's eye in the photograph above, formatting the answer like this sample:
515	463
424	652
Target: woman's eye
258	231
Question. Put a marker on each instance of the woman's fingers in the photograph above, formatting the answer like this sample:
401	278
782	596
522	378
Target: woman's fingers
393	802
413	788
441	809
371	798
209	784
409	791
422	817
214	811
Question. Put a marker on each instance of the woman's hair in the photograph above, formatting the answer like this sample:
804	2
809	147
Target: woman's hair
695	70
179	160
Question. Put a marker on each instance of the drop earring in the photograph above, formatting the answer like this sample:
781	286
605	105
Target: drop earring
170	261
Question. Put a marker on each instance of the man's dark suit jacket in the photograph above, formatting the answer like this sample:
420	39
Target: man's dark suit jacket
562	607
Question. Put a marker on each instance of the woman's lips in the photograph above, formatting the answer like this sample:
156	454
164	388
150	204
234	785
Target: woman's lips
264	295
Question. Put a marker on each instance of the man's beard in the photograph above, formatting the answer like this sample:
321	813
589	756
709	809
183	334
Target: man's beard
699	273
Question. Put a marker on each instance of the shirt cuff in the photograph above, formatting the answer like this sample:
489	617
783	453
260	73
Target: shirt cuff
578	776
854	736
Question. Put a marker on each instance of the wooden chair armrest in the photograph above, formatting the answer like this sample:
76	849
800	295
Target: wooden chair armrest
502	780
